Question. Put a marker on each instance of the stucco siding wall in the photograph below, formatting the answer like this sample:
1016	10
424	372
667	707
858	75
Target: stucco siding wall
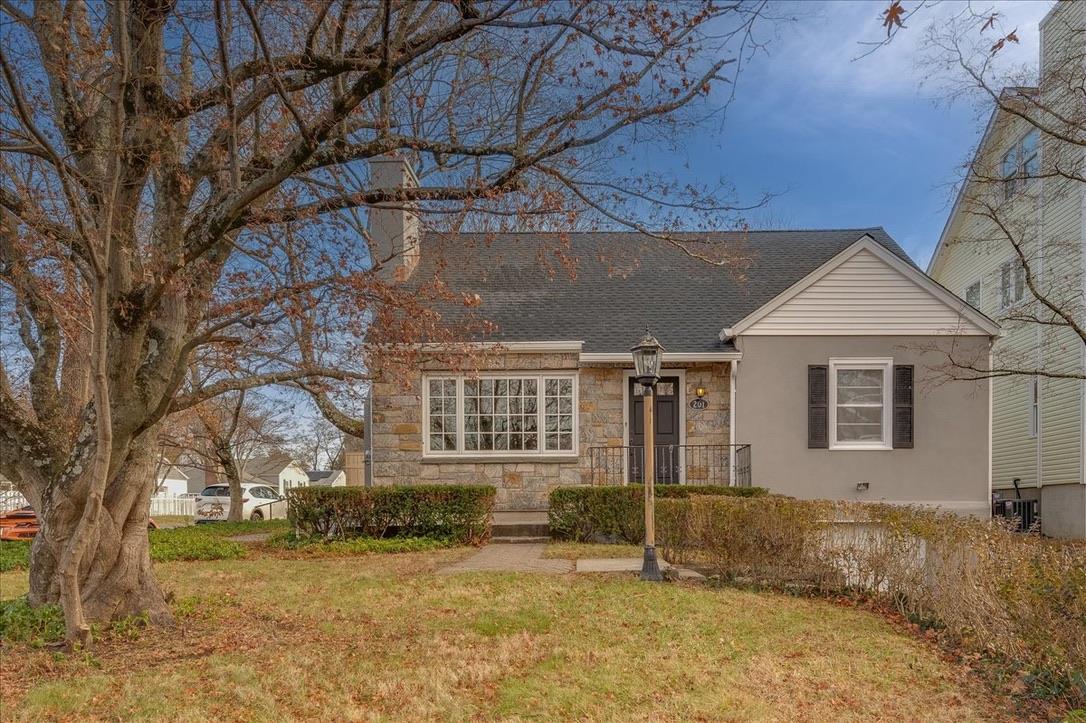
524	482
947	466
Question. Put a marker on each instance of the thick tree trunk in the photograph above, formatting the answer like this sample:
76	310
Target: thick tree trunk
115	575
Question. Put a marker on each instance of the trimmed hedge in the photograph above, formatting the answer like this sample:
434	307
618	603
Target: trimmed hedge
617	513
460	513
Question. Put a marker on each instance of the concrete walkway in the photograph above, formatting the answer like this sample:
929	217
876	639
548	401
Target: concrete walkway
509	558
529	558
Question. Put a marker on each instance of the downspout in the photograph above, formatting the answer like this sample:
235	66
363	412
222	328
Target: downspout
733	368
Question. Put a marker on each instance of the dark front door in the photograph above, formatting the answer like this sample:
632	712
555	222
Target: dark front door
666	424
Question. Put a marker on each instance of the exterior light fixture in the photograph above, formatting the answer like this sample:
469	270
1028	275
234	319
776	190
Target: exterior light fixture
646	359
700	391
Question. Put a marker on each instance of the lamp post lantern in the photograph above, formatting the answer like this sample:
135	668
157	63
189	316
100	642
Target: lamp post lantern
646	358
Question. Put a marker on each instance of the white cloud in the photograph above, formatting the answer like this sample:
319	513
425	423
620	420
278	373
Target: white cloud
822	48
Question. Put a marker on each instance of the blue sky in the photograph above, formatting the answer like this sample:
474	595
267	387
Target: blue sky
867	142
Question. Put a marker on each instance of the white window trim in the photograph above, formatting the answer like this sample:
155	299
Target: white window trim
887	366
1019	180
1034	398
468	454
1015	263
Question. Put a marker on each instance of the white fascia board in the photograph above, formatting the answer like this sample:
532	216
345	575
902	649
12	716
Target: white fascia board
668	357
866	243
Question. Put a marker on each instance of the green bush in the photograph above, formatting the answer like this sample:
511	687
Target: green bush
617	513
14	555
459	513
192	543
19	622
1019	599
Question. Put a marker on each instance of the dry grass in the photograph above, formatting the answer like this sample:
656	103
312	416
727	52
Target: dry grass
380	637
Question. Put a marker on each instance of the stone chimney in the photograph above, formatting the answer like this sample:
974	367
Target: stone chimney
394	226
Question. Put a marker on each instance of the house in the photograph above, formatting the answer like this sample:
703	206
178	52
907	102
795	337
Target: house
811	371
1038	422
172	480
276	470
327	478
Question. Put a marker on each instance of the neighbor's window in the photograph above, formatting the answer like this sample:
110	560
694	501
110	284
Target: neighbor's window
1012	283
501	415
972	295
1020	163
860	403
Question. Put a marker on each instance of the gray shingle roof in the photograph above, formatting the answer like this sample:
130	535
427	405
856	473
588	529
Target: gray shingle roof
623	282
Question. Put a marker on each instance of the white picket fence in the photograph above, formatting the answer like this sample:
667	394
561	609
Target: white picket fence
11	500
163	505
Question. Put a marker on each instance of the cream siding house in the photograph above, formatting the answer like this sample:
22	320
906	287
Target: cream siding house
804	369
1038	431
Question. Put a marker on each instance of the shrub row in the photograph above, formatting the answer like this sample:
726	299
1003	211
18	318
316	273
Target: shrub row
460	513
617	513
1018	598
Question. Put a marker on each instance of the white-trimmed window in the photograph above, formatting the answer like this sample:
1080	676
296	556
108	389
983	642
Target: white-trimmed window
860	403
972	294
1012	283
1020	163
500	415
1034	406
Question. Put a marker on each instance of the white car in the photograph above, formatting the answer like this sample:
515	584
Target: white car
259	502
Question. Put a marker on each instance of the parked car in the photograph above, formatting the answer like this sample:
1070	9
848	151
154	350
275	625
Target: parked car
22	524
259	502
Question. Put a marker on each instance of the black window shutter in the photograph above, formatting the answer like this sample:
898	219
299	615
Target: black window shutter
903	406
818	416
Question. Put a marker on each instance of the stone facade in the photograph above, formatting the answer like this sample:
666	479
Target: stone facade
525	481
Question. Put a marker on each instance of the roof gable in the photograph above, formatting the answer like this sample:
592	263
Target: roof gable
865	290
622	282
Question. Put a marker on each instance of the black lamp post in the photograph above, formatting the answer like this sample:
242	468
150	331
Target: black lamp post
646	358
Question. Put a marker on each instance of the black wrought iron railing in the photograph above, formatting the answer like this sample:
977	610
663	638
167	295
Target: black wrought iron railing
1024	513
691	464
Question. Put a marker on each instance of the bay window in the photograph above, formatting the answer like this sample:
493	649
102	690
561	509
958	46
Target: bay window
521	415
860	403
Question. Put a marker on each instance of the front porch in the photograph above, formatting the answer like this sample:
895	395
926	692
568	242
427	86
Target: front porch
684	464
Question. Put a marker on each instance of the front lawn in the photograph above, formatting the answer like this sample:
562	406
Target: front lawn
381	636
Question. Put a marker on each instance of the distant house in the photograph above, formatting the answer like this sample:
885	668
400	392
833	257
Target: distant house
327	478
810	371
278	471
172	480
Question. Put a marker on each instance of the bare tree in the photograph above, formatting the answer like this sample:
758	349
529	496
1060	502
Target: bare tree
1003	198
318	445
186	180
224	434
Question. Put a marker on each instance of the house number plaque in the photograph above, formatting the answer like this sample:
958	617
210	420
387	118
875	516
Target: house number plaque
699	403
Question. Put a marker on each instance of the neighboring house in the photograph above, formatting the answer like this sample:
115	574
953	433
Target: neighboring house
277	470
172	480
816	354
1038	430
198	479
327	478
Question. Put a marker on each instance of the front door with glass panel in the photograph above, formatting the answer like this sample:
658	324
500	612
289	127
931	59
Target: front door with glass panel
666	423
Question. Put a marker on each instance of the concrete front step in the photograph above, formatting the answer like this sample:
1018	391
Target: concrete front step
514	525
523	540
